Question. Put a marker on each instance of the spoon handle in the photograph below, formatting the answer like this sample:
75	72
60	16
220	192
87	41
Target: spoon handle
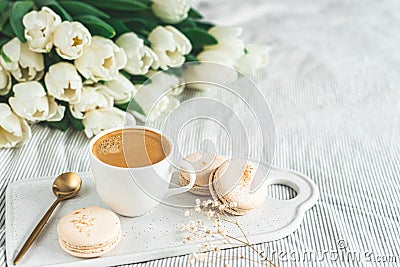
36	231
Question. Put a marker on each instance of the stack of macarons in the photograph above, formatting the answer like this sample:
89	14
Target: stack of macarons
228	181
89	232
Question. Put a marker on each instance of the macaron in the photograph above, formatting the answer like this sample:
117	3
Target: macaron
204	164
89	232
230	184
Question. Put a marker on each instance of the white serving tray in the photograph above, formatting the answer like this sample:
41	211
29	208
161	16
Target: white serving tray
149	237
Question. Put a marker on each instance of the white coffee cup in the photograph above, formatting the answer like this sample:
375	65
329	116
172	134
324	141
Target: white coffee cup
136	191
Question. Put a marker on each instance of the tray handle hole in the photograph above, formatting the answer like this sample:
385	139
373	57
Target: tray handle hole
280	191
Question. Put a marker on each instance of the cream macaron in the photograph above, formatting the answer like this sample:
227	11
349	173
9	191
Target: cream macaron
204	164
89	232
231	184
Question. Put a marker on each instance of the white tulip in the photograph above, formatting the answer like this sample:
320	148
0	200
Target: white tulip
5	81
15	131
93	97
63	82
102	119
31	102
171	11
21	62
226	53
70	39
170	45
157	97
102	60
139	57
39	28
229	46
256	58
120	89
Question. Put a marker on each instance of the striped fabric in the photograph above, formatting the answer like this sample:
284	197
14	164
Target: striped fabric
333	87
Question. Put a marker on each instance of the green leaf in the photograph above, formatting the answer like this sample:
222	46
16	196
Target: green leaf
140	79
7	30
18	11
121	5
190	58
76	8
122	106
97	26
136	107
4	56
76	123
186	24
118	25
56	7
133	106
3	6
60	125
4	18
199	38
204	25
194	14
178	72
3	40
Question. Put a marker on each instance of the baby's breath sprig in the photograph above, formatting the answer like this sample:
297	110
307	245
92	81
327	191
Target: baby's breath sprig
206	226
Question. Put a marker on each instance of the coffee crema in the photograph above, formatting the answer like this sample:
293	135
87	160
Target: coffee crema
131	148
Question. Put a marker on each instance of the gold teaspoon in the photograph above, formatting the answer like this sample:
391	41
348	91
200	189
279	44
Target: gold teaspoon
65	186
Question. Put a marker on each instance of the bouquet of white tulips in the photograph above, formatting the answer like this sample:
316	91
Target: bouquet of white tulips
80	63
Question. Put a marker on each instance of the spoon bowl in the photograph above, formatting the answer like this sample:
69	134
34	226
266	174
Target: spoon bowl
67	185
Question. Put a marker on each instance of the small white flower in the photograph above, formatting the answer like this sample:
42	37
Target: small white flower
102	119
220	231
5	81
31	102
39	28
63	82
171	11
186	213
120	89
15	131
182	227
197	209
92	97
256	58
22	63
102	60
170	45
197	201
215	203
70	39
139	57
210	214
206	246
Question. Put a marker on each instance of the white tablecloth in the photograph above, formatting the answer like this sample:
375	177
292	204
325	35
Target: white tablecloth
333	87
